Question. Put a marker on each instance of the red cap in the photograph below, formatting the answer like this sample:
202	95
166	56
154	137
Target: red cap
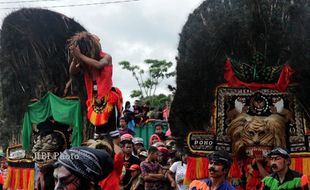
162	149
126	137
134	167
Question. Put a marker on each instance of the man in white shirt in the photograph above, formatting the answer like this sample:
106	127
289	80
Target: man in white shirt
177	173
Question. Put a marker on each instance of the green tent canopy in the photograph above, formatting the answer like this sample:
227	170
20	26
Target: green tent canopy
66	111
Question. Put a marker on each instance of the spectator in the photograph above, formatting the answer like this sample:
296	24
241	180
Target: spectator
171	145
137	111
168	133
166	111
129	116
123	129
126	136
283	177
163	158
129	160
154	139
144	115
128	107
136	181
159	114
163	155
142	156
151	171
140	150
177	173
113	180
82	168
159	131
159	144
219	165
137	143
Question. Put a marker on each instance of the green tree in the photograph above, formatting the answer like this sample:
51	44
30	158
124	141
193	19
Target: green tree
148	82
157	101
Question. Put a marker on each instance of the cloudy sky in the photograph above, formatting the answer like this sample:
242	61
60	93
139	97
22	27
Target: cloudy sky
131	31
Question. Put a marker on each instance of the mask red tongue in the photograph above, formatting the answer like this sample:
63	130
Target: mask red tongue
257	153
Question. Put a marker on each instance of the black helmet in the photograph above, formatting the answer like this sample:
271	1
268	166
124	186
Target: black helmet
283	152
222	157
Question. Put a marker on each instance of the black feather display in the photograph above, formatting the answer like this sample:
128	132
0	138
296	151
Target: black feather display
277	31
34	58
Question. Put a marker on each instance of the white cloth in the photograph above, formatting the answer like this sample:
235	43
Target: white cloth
179	170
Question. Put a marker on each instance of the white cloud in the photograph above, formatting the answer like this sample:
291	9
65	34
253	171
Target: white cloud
146	29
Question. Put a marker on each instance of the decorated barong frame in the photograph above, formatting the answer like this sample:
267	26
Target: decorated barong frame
228	106
248	124
289	108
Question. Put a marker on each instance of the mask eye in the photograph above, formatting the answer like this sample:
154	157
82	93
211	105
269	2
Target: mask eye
261	133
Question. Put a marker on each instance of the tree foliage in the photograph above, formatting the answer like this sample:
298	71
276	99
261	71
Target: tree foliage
158	101
148	81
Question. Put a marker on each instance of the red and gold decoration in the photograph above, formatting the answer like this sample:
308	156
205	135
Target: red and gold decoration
99	111
20	171
249	120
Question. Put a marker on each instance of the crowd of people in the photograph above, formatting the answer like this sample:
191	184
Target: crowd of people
126	164
150	168
160	167
96	165
123	162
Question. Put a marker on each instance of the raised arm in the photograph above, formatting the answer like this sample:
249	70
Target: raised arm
74	67
106	60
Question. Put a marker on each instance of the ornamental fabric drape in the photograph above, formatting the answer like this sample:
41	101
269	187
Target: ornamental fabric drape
66	111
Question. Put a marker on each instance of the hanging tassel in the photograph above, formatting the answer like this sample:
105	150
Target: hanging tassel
187	181
306	166
205	167
31	179
21	178
12	185
25	179
254	180
235	171
299	164
292	166
8	178
235	174
17	178
190	170
198	168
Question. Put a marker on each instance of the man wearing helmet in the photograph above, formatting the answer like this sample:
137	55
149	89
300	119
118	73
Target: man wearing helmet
283	177
219	165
